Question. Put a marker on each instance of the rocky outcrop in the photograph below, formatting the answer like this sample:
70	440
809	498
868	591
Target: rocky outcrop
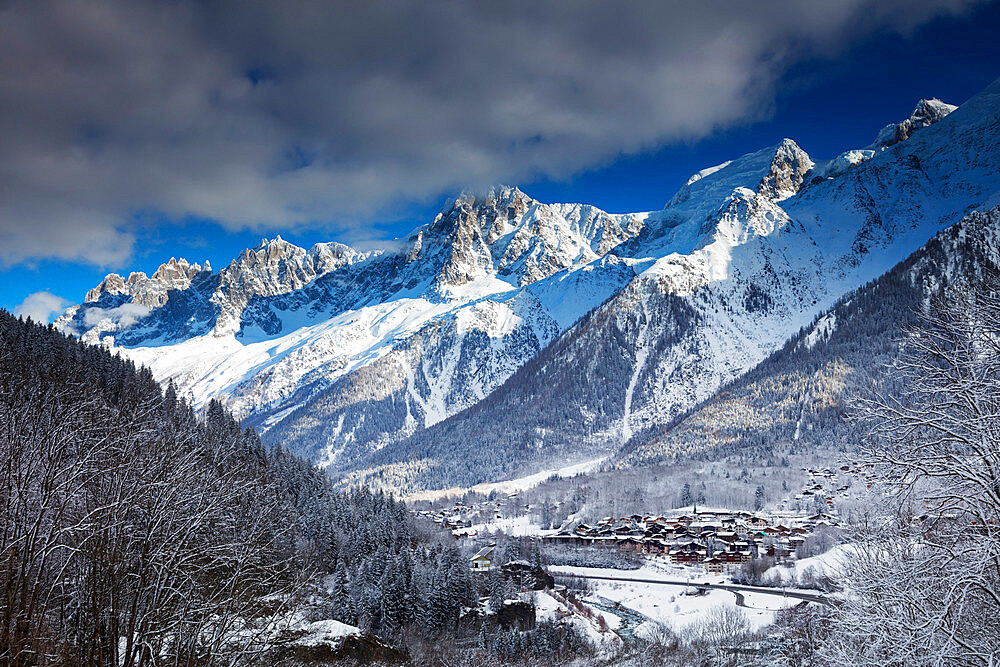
273	268
514	615
152	292
926	113
363	649
787	171
527	576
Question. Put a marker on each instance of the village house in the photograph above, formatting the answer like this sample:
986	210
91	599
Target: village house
483	560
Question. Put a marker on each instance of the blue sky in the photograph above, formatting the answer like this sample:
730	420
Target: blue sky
828	101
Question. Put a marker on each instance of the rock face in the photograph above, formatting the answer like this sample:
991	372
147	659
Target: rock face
271	269
150	292
526	576
725	286
787	172
515	615
926	113
361	648
507	334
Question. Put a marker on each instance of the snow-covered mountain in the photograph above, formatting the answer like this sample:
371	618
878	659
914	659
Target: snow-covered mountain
460	355
341	351
717	291
797	397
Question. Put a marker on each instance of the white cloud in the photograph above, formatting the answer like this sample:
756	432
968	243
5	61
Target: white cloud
284	114
124	315
41	306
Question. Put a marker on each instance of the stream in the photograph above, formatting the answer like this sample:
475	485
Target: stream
630	619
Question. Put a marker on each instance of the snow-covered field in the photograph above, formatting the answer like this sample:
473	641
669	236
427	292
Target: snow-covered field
511	486
825	564
667	604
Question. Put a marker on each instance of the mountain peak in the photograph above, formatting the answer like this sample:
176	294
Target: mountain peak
927	112
787	171
276	241
112	283
495	196
175	274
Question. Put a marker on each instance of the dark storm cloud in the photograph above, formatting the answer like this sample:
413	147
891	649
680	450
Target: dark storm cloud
291	113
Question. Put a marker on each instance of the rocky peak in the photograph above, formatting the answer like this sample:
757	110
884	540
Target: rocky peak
787	171
326	257
274	267
490	211
927	112
458	233
112	284
504	230
174	271
149	291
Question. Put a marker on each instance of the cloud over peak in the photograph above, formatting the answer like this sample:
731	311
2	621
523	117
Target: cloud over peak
260	114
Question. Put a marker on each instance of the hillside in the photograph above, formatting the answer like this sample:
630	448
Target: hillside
508	334
131	528
690	323
797	399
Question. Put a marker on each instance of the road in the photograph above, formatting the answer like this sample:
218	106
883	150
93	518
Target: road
732	588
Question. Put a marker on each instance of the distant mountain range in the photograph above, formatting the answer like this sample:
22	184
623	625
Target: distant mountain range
508	335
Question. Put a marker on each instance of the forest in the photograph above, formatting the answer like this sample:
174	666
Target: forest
136	532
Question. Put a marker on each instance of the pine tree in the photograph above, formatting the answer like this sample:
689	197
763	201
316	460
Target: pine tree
686	497
343	604
758	498
393	601
495	585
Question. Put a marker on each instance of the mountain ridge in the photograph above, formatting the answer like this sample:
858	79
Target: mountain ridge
345	359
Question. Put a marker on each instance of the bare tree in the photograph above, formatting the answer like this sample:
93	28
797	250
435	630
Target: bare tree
131	533
924	569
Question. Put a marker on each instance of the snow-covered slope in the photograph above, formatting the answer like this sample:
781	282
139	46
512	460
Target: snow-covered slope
719	287
797	397
372	357
340	351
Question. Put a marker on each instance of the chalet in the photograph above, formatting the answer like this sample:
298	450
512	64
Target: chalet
714	565
483	560
563	537
687	556
655	547
631	543
777	550
733	557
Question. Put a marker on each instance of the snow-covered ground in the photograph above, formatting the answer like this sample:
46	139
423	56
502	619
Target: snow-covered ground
548	608
511	486
827	564
327	631
667	604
